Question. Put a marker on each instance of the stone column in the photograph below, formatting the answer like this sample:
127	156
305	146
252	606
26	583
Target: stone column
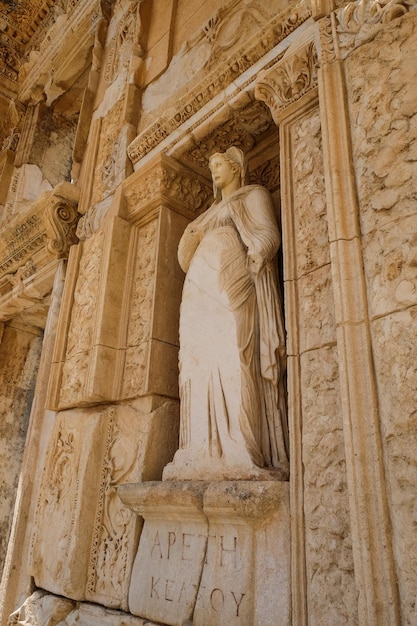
32	271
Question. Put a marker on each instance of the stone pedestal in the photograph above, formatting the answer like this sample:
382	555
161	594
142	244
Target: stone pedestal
211	553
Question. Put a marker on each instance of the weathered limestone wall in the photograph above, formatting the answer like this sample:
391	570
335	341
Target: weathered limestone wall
331	594
162	85
382	104
20	349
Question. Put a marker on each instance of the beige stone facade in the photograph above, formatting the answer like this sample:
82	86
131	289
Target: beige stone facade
109	112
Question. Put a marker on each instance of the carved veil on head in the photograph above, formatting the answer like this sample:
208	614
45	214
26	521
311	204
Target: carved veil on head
236	158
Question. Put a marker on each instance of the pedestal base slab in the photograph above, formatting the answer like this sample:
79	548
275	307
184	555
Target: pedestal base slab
211	553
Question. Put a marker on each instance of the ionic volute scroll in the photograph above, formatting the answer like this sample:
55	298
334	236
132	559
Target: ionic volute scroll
61	219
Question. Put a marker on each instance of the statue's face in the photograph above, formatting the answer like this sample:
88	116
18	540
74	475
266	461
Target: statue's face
222	171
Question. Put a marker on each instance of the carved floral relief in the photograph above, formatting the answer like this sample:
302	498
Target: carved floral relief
121	45
356	21
81	329
140	310
288	80
114	536
244	128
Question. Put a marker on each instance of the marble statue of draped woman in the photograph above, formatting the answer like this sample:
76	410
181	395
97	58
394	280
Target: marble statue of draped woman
233	409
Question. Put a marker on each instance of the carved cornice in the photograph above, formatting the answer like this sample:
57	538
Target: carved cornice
19	21
66	41
29	242
243	128
266	39
288	81
165	180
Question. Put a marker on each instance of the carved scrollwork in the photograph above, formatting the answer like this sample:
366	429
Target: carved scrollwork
356	21
61	223
327	46
288	81
186	189
30	242
114	522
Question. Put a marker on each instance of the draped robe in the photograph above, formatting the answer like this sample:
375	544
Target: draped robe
233	410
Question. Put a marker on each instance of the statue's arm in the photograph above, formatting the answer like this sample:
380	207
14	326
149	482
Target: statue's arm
258	228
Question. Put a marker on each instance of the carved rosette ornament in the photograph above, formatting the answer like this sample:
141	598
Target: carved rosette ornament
288	81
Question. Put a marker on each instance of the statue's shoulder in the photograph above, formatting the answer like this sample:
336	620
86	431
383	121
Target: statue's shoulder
254	193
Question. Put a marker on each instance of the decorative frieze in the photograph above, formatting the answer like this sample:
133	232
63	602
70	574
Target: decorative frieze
167	180
269	36
63	52
18	25
30	243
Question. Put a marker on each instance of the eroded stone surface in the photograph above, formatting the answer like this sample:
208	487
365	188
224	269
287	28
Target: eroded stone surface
19	360
91	88
384	134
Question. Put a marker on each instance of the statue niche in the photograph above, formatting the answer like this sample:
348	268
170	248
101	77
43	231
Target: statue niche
232	351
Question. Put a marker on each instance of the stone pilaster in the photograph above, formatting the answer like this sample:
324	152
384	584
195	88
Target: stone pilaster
371	533
117	345
290	88
126	331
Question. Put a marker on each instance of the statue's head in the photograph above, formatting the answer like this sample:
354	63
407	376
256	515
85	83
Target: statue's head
227	166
